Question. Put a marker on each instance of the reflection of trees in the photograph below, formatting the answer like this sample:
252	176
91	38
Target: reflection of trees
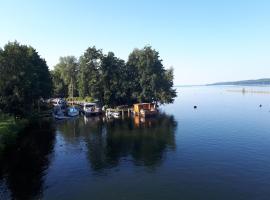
145	142
75	129
24	165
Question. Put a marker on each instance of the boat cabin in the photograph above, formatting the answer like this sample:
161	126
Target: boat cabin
91	109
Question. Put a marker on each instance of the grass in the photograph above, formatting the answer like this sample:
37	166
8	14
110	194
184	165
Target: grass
9	129
86	99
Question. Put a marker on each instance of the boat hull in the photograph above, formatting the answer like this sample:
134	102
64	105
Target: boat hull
60	117
72	112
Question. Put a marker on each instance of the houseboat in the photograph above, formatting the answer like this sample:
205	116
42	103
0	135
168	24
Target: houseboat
145	109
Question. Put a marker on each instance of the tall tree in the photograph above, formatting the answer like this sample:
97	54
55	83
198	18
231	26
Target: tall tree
89	73
24	78
68	69
152	82
113	80
60	88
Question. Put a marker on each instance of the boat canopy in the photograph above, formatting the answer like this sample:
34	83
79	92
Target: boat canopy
88	105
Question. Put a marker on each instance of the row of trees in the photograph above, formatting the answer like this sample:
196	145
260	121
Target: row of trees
111	80
24	79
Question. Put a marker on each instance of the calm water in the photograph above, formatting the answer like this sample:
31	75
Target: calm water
221	150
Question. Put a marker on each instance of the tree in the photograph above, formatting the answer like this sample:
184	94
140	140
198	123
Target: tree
89	73
151	81
60	89
68	70
113	79
24	79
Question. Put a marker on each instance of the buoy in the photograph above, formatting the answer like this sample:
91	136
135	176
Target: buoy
260	105
195	107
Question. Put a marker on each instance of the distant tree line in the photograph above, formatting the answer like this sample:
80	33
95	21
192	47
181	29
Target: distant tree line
111	80
25	78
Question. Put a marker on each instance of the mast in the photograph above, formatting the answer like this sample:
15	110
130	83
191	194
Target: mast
72	91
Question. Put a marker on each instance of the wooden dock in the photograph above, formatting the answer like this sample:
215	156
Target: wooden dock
122	111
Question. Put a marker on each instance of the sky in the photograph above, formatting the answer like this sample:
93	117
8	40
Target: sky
204	41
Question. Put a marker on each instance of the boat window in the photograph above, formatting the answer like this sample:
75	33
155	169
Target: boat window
89	106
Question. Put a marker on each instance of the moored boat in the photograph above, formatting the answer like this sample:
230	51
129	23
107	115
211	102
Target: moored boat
112	113
60	102
91	109
58	113
72	111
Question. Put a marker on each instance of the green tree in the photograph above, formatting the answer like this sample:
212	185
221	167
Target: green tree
151	81
68	70
89	73
112	76
24	79
60	89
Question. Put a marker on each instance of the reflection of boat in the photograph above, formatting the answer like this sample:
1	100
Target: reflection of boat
145	109
91	109
72	111
91	120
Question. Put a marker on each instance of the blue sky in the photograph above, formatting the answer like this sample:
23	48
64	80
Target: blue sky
205	41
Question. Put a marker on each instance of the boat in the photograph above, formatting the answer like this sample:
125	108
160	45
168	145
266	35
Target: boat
116	114
58	113
72	111
91	109
60	117
145	109
60	102
112	113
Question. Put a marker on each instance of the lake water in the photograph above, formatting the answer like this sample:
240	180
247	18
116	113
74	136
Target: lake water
221	150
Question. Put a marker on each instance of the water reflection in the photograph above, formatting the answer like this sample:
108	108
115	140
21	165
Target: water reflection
23	168
139	140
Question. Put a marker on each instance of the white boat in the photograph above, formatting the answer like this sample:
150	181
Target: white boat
116	114
60	102
112	113
91	109
72	111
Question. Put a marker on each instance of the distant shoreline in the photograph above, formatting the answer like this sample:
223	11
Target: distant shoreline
247	85
256	82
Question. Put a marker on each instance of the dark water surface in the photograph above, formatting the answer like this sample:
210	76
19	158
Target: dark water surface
221	150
